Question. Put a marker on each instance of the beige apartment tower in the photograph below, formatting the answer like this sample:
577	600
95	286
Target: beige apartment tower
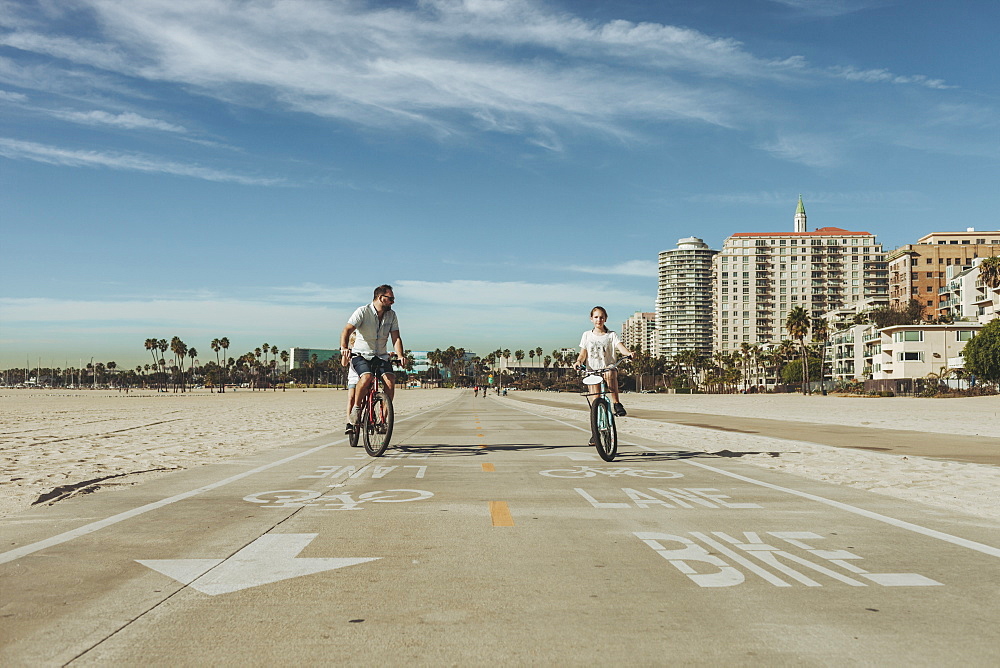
640	330
758	277
684	298
919	271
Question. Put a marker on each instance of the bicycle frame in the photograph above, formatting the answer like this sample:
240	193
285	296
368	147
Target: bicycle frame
376	413
603	427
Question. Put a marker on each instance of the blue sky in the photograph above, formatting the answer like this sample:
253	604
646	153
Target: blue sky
252	169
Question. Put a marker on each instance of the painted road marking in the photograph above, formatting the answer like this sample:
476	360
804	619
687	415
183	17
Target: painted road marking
307	498
900	524
707	497
710	570
377	471
270	558
500	514
489	468
610	471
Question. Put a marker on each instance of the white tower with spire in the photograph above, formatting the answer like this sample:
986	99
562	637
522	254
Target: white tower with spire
800	217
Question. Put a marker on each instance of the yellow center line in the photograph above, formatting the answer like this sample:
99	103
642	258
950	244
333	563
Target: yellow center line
500	514
489	468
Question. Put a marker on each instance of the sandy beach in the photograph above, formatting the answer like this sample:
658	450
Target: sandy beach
50	439
53	438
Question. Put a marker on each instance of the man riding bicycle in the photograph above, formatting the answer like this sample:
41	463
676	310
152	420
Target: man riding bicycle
375	324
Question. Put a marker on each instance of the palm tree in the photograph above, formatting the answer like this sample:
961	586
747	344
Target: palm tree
821	334
797	326
180	349
192	354
162	346
989	272
152	345
224	344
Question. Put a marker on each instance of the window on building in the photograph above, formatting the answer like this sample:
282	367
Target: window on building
913	356
964	334
908	335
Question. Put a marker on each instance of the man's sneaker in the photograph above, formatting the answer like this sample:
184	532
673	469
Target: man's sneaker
356	415
350	429
620	410
593	441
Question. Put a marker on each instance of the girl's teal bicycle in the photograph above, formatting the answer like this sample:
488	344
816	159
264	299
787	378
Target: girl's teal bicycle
602	418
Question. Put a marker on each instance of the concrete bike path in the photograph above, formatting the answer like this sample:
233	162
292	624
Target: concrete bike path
492	535
954	447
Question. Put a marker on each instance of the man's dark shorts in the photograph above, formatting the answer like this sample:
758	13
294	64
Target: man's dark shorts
374	365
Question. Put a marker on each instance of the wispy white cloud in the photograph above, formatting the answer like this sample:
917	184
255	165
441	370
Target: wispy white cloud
896	198
126	120
808	149
825	8
885	76
54	155
646	268
11	96
449	67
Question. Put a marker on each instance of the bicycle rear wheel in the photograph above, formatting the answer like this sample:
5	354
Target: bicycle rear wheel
376	425
602	424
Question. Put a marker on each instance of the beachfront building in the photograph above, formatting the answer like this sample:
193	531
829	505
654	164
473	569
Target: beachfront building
849	329
919	271
863	352
640	330
915	351
298	357
758	277
846	353
965	297
684	299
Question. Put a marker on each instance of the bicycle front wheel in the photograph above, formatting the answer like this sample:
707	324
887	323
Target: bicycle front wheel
376	425
602	424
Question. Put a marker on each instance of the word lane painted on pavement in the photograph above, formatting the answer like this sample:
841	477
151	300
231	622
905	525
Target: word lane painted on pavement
668	498
305	498
375	472
780	558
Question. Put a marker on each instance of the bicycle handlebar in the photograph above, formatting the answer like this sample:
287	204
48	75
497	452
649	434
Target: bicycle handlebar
611	367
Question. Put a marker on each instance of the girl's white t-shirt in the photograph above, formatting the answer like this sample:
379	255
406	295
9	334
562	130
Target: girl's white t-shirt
602	349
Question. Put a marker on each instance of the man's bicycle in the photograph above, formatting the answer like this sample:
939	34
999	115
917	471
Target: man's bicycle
375	425
602	417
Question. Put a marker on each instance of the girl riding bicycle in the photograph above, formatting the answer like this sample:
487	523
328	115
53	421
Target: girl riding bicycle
599	348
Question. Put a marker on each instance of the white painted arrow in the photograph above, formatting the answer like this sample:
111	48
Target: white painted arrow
270	558
575	456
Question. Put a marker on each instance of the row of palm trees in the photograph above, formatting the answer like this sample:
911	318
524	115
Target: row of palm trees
252	366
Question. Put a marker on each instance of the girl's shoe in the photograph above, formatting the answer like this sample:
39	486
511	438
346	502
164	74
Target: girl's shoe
620	410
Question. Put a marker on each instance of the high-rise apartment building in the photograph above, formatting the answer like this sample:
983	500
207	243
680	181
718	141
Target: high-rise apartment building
640	330
684	298
919	271
759	277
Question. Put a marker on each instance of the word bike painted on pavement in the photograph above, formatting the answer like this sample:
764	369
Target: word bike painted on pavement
751	554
